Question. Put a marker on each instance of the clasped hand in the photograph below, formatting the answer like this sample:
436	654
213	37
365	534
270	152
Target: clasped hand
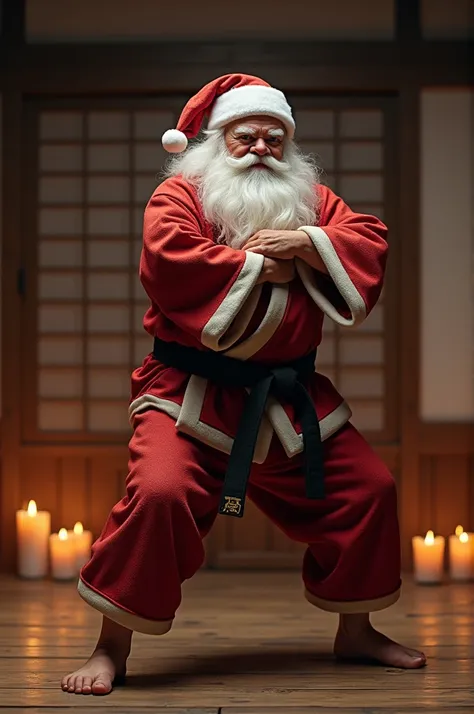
279	248
281	245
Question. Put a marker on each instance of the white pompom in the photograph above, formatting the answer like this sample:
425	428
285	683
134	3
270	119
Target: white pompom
174	141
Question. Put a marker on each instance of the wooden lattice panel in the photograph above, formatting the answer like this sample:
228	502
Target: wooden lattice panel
97	170
348	144
135	20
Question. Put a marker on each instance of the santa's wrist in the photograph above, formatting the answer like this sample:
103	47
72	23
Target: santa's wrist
268	270
306	250
304	246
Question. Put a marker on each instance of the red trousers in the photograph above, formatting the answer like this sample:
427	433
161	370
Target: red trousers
152	540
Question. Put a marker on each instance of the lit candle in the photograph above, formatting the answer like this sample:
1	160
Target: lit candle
470	538
428	556
460	555
63	556
33	528
82	542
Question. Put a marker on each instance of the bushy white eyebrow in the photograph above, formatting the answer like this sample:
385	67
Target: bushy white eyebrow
251	131
244	130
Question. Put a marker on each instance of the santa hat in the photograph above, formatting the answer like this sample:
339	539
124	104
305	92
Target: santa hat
225	99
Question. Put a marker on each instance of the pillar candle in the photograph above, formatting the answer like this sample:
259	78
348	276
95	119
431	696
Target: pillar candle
458	531
63	556
83	542
33	528
428	557
461	555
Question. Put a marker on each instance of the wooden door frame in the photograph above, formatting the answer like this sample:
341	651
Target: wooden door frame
402	66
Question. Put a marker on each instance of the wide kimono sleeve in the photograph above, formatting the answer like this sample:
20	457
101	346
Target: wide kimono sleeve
354	249
208	290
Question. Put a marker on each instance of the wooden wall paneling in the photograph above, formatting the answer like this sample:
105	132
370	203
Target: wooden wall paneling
12	207
46	21
28	356
446	484
248	534
106	486
446	438
408	177
39	480
75	493
446	477
408	21
74	487
390	455
184	66
12	34
450	482
447	487
470	494
393	281
13	25
279	542
250	542
426	502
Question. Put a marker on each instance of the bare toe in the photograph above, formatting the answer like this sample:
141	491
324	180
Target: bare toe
97	675
102	684
418	658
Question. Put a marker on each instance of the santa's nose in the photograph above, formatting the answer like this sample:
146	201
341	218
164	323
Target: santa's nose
259	148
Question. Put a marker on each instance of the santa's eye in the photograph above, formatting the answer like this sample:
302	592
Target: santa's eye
245	137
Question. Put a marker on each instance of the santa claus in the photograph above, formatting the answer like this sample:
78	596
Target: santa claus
244	253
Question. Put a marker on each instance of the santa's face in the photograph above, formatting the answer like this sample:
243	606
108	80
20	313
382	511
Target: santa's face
259	136
250	176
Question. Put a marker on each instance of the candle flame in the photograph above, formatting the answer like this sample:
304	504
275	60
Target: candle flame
62	535
429	538
464	537
459	530
32	510
78	528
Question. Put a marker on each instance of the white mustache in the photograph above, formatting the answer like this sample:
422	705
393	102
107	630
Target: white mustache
245	162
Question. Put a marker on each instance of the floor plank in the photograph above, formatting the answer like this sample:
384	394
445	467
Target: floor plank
92	708
239	662
272	696
243	643
338	710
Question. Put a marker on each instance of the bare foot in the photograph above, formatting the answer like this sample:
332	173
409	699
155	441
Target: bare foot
357	640
107	664
96	677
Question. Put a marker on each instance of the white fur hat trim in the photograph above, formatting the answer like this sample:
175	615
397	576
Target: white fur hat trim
251	100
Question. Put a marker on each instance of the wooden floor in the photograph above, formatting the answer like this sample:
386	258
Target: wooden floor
244	643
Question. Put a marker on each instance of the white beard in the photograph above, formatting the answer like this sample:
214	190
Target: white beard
240	200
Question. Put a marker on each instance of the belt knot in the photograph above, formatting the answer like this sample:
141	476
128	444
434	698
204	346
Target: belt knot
284	382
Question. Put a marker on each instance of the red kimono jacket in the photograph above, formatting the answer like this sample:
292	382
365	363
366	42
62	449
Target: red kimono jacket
206	295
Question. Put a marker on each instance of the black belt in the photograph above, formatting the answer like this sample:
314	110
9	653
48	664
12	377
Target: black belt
284	381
